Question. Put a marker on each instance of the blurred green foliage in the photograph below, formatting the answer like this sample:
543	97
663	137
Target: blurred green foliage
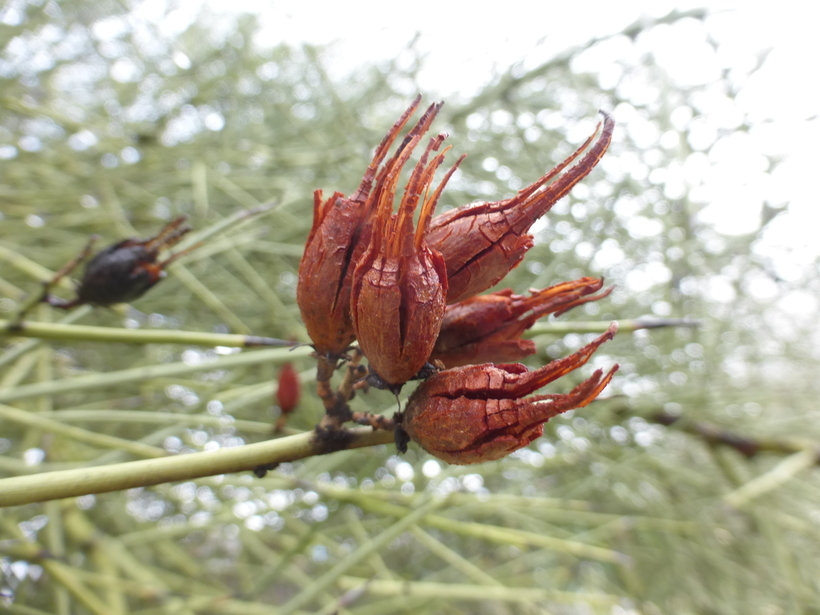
108	126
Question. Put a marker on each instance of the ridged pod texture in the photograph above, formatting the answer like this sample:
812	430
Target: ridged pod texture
480	413
337	239
400	284
488	328
482	242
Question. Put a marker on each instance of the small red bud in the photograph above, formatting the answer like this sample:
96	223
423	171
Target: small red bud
480	413
289	389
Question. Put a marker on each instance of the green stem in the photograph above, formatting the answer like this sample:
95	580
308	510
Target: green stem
453	558
492	533
61	573
36	420
238	218
83	481
151	418
453	591
624	326
30	267
780	474
56	331
18	350
138	374
373	546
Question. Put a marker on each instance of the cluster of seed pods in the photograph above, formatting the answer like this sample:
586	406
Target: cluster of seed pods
409	293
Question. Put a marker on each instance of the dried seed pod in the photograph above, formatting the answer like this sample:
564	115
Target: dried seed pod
323	289
399	284
124	271
482	242
480	413
488	328
337	239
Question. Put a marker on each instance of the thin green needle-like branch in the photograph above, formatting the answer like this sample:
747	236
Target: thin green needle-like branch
63	332
83	481
376	544
624	326
18	350
79	415
29	267
453	591
782	473
481	531
209	298
35	419
454	559
62	573
238	218
139	374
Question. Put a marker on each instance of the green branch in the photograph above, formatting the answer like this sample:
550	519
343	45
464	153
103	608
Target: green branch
98	416
84	481
483	531
38	421
482	593
18	350
56	331
624	326
66	332
138	374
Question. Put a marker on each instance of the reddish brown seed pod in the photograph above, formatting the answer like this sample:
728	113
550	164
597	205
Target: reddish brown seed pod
488	328
399	284
337	239
481	413
323	289
482	242
126	270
